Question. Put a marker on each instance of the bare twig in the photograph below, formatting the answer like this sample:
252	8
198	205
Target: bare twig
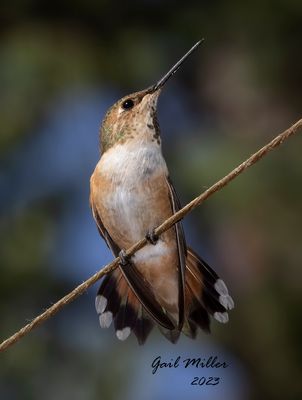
160	229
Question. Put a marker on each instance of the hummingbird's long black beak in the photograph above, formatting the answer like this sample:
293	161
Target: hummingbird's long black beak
175	67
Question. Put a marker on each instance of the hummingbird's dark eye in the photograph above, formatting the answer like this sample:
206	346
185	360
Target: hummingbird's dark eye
128	104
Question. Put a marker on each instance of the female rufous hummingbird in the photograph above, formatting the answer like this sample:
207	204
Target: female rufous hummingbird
165	283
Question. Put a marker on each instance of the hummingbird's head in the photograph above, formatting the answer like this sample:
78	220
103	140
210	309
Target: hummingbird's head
132	117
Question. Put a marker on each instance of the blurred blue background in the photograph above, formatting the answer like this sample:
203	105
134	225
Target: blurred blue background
62	65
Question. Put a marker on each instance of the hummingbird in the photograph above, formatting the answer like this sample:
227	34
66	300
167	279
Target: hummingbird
165	283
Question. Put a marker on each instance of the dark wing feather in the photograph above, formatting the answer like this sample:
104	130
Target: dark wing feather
182	251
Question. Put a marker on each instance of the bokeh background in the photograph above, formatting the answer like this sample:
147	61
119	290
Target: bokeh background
62	64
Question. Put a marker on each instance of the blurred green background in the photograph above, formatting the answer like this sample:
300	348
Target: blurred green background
62	65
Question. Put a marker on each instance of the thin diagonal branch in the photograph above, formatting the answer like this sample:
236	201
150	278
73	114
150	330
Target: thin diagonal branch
277	141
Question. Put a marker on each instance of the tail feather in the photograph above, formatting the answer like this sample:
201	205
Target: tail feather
208	273
205	295
201	318
203	290
143	326
108	300
126	316
117	302
197	314
192	329
171	334
208	290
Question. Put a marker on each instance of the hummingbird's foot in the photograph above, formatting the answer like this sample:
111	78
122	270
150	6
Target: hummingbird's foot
124	258
152	237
